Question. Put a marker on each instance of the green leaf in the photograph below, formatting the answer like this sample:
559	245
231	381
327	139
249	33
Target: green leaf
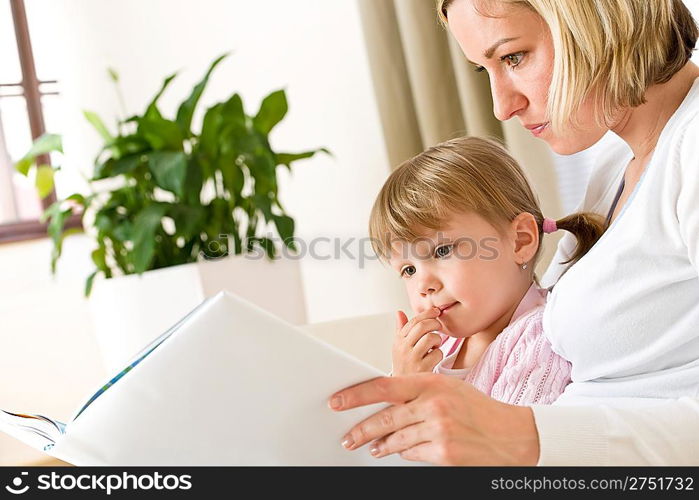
169	170
55	231
113	75
264	204
262	168
189	220
52	210
78	198
193	182
23	166
104	220
127	145
233	112
47	143
99	257
285	226
124	165
88	283
237	242
268	246
272	110
160	133
128	164
146	224
186	109
288	158
233	177
99	125
153	106
123	231
44	180
208	139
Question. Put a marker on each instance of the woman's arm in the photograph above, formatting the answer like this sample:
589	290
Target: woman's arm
667	434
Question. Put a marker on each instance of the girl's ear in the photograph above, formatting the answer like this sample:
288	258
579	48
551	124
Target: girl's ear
525	233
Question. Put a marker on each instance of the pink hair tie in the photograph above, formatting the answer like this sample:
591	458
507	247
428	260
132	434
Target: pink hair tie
549	225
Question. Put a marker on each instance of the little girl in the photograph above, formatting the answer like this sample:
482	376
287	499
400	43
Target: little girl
462	227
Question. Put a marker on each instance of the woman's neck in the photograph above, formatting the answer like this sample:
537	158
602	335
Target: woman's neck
640	127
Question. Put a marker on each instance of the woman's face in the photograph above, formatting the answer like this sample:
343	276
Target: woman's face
514	46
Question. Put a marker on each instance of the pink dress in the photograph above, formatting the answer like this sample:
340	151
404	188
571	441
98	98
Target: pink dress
519	367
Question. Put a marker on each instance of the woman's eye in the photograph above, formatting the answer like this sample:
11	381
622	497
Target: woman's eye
407	271
443	251
513	60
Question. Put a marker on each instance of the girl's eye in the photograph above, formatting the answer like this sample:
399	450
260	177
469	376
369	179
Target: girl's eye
407	271
443	251
513	60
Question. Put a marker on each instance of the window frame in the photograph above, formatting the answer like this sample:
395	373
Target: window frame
21	230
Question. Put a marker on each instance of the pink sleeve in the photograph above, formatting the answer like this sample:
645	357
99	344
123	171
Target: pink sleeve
520	367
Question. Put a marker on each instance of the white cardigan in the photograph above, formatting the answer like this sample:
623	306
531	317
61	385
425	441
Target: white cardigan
627	315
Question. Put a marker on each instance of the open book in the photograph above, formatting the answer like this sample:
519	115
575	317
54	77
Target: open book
229	384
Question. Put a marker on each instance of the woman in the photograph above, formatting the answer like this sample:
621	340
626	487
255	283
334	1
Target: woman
627	314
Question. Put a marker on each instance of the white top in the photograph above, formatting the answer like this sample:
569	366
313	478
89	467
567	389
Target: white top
627	315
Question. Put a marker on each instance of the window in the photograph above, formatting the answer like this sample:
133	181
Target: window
24	100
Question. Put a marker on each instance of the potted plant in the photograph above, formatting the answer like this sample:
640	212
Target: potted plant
166	196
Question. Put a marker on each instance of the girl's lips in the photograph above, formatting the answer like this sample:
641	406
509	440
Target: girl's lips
446	307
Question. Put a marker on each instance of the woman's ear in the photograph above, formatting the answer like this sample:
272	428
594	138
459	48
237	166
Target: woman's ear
525	233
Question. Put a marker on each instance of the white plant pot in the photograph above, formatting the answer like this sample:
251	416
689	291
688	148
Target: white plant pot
130	311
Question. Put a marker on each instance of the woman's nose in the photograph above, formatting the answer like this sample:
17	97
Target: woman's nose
507	99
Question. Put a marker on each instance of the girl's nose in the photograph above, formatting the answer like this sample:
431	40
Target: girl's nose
429	285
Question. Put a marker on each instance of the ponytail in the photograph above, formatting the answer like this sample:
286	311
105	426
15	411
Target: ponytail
587	228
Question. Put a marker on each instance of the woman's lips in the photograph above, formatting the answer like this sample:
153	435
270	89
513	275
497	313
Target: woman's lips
539	129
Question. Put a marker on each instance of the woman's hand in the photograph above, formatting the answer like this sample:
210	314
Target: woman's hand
416	350
440	420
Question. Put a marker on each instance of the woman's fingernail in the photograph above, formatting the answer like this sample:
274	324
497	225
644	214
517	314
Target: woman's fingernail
374	450
336	402
347	441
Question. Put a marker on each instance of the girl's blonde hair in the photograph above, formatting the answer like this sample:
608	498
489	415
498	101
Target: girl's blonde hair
467	174
613	50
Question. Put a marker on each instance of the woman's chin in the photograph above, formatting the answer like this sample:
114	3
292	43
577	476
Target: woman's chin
568	145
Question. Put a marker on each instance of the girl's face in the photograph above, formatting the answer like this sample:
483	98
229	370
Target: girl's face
516	50
467	269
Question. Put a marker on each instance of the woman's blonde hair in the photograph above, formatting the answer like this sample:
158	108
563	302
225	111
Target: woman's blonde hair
467	174
613	50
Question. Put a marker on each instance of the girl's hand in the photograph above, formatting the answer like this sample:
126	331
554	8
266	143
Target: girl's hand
416	350
439	419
